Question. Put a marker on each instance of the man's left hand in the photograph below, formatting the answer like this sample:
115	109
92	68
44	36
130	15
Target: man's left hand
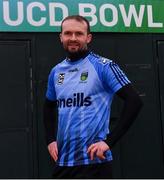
98	149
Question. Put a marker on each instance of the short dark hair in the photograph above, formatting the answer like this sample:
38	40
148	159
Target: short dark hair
79	19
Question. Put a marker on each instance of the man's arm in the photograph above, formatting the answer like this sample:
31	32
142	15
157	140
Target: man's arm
131	108
50	123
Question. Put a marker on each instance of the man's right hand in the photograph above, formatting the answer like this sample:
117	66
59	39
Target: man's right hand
53	150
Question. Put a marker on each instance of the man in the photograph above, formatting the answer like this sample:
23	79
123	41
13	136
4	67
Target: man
82	87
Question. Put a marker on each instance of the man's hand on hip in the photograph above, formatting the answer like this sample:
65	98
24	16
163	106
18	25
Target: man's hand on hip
53	150
98	149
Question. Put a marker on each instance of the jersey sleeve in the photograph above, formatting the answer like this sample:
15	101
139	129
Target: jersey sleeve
113	77
110	74
50	93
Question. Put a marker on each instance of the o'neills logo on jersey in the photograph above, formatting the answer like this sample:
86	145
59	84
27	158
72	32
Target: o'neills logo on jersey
77	100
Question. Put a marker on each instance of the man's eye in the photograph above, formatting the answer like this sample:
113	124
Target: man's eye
79	33
67	33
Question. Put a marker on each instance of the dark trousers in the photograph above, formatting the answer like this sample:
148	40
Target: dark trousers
92	171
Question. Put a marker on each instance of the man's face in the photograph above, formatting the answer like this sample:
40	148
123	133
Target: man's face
74	36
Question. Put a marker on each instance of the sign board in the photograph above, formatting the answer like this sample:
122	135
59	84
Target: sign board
146	16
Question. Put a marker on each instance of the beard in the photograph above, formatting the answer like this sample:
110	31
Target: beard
75	54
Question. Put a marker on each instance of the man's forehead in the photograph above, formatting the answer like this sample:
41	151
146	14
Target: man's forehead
72	21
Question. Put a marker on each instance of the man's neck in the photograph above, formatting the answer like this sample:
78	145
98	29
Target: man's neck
76	56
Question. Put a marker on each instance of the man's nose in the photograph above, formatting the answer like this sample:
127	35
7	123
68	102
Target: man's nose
73	37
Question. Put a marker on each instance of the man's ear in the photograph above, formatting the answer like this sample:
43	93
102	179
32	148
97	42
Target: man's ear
60	36
89	38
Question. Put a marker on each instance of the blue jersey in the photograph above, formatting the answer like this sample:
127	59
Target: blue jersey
83	91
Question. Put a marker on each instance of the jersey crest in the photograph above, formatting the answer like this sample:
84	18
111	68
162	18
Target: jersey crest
84	76
61	78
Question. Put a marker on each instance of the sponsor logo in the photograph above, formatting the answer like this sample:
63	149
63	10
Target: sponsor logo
84	76
104	60
61	78
77	100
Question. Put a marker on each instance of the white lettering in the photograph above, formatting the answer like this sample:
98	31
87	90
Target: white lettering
52	13
103	20
6	14
132	12
150	18
91	13
30	18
